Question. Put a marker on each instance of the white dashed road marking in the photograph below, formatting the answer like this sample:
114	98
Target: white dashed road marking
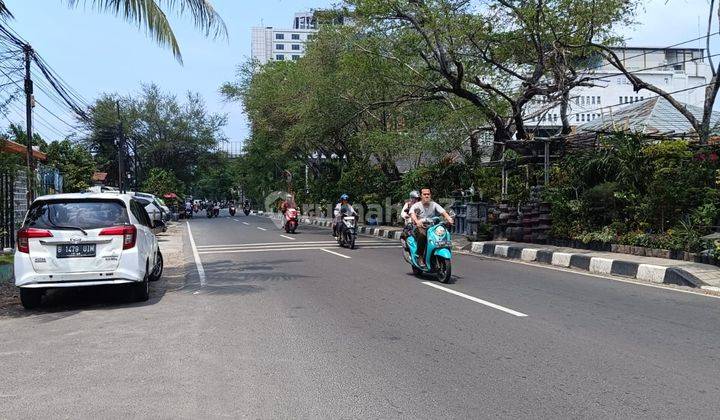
335	253
476	300
261	228
288	237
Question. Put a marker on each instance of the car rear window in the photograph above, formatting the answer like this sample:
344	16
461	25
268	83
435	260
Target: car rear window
84	214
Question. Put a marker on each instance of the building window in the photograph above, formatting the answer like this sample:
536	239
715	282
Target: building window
642	98
627	100
598	100
279	57
593	100
577	117
296	47
310	36
279	36
583	117
295	57
582	100
620	101
577	101
295	36
279	46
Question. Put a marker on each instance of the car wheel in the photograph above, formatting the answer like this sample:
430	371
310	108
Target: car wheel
158	270
142	289
30	298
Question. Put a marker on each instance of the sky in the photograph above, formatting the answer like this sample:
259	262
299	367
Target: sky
97	52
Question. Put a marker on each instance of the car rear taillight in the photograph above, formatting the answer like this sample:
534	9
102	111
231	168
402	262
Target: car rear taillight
24	235
129	234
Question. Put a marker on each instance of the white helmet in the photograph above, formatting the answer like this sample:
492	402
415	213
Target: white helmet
414	194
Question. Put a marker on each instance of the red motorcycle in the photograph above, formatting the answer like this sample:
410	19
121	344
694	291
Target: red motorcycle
291	220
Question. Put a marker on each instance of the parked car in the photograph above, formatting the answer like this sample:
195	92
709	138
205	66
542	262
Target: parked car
86	239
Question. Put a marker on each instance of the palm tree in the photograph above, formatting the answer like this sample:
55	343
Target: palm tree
150	15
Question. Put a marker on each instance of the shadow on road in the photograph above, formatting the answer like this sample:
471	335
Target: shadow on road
228	277
62	303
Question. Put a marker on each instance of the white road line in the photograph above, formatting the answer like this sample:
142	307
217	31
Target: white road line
243	251
334	253
288	237
474	299
328	242
198	263
261	228
246	223
296	244
236	220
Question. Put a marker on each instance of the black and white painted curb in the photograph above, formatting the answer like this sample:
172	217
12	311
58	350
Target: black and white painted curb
382	232
597	265
581	261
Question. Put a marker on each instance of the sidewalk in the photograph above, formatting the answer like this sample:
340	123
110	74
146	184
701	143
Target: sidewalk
655	270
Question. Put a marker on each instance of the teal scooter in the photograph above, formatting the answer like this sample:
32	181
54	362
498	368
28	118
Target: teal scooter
438	252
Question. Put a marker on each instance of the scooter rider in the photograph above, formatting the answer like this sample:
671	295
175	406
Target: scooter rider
349	210
421	211
405	214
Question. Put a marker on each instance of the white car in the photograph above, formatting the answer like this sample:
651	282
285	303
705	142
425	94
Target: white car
86	239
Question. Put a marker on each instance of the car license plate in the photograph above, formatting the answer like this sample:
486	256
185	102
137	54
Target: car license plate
73	251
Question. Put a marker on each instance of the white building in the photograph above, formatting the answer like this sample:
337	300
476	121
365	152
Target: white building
270	44
681	70
276	44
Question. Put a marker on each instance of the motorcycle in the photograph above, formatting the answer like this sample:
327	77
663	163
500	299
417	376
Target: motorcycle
291	220
216	211
438	252
347	231
210	212
246	209
188	213
232	210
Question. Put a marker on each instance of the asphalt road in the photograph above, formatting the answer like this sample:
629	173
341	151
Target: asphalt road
291	326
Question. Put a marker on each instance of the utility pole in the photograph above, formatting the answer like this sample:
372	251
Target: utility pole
29	104
121	152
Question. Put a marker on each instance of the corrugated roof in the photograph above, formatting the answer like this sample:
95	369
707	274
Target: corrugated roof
654	116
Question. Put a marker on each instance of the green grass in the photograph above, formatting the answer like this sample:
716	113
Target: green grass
6	259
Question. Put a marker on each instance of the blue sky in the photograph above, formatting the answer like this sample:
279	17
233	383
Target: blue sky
98	53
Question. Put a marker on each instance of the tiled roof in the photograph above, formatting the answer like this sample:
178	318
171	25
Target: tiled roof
654	116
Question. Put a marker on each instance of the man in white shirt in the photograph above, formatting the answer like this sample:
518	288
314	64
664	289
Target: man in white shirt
422	211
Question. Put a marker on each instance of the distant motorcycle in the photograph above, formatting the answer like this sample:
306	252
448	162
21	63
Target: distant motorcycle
438	252
347	231
188	213
232	210
291	220
210	212
246	209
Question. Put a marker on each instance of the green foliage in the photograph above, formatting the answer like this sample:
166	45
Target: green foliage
161	132
634	192
74	162
160	182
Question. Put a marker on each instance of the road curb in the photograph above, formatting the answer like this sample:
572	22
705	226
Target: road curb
586	262
576	260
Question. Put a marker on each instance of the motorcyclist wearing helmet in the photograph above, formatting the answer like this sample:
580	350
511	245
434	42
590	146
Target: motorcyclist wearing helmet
420	212
340	207
405	212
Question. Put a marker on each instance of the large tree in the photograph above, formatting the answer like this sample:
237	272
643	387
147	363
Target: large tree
497	55
160	130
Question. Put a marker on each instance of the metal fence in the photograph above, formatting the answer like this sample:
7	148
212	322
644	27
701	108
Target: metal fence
471	217
7	210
